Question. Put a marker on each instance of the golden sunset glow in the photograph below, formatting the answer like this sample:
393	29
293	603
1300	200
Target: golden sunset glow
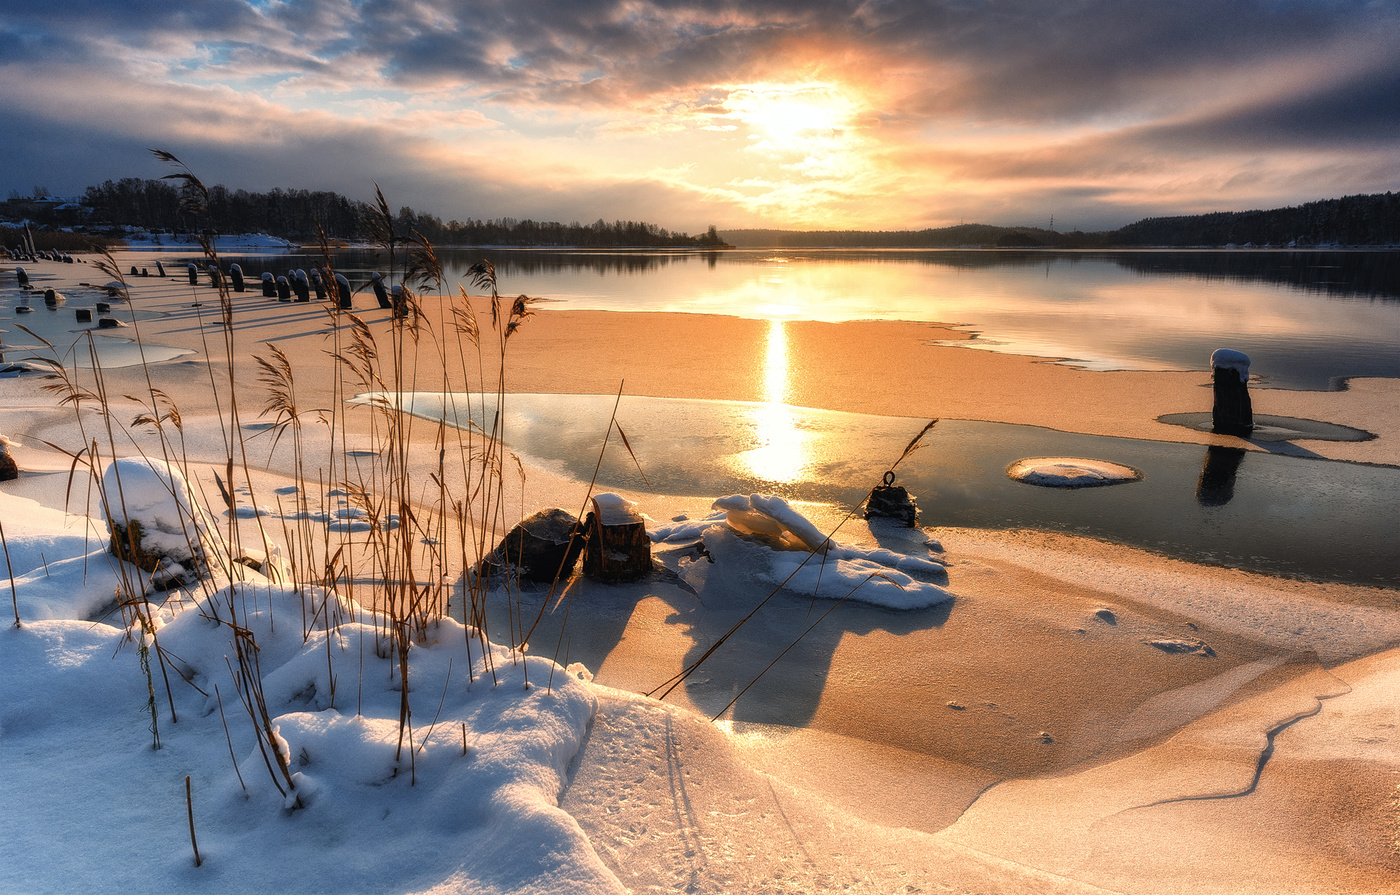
793	118
783	452
869	116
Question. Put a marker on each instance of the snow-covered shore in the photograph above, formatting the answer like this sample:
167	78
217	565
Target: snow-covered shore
1072	717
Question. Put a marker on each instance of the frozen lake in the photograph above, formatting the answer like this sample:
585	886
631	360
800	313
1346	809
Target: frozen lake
1308	319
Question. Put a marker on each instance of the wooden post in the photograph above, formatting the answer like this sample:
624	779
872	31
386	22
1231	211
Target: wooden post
1232	413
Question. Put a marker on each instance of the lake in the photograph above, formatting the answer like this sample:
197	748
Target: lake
1308	319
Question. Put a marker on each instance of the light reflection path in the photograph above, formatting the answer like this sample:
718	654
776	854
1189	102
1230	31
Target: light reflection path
783	454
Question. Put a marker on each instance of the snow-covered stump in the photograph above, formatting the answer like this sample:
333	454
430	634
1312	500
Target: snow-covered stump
269	286
1232	412
193	273
155	522
8	469
617	548
235	273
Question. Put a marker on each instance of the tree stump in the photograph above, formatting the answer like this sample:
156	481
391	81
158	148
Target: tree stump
617	548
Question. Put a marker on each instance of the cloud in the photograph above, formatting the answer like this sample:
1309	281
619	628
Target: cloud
953	109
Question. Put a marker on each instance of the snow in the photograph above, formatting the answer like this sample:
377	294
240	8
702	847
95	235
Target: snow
1070	472
614	509
222	241
1230	359
764	537
175	529
469	800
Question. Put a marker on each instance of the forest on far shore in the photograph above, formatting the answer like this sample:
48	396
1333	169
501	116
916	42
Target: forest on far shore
115	208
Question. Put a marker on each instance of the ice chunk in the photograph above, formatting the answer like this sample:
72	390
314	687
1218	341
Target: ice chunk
1070	472
772	521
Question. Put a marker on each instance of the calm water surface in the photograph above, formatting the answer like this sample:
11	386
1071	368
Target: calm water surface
1276	514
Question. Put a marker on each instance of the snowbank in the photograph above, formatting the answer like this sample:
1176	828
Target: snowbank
460	793
764	537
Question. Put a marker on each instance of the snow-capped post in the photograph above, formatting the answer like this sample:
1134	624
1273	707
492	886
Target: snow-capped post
194	274
342	287
235	273
22	277
300	286
891	501
160	268
8	469
284	289
617	547
1232	413
269	286
214	275
380	293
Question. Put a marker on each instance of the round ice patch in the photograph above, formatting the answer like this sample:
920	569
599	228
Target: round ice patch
1070	472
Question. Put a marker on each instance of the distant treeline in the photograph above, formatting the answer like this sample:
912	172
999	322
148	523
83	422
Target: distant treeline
1350	221
303	215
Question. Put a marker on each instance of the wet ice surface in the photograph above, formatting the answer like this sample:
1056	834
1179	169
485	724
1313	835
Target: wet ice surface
1279	514
58	324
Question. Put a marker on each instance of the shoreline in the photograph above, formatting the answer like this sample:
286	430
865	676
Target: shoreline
682	355
1073	696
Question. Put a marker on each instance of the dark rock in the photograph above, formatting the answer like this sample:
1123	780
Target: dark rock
8	469
84	315
543	545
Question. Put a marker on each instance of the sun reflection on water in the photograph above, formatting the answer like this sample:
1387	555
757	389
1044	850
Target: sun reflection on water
783	452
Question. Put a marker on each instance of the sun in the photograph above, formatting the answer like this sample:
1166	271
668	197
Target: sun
792	117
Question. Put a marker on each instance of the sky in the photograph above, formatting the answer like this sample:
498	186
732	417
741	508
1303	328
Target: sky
801	114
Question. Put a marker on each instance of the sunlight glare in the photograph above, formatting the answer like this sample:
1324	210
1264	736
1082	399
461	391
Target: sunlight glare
792	117
783	452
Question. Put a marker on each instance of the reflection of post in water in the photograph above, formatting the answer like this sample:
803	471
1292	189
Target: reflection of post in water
1216	486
